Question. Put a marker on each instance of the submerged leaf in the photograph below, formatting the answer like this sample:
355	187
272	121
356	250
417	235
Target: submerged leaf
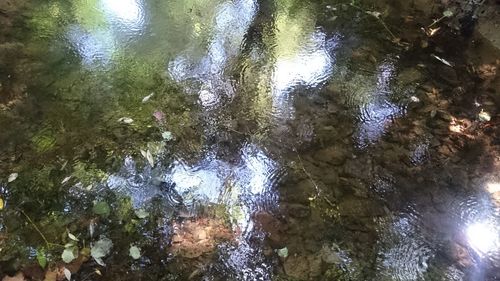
41	258
141	213
374	13
484	116
135	252
68	254
126	120
101	208
442	60
12	177
283	252
146	98
167	136
1	204
448	13
101	249
65	180
72	237
67	274
149	157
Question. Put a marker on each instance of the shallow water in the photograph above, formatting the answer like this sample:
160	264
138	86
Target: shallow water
242	128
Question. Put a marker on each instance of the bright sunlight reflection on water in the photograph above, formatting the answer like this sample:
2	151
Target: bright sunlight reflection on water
483	237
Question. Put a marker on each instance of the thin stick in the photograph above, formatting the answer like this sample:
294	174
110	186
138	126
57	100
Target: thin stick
318	190
37	229
394	37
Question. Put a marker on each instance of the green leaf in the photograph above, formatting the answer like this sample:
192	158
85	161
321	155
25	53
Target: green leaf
141	213
69	254
135	252
41	258
101	249
101	208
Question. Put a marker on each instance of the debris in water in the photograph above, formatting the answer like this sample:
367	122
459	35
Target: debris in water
283	252
67	274
147	98
126	120
149	157
159	116
135	252
141	213
101	249
484	116
12	177
442	60
167	136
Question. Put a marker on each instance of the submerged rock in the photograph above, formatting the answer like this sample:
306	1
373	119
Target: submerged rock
333	155
193	239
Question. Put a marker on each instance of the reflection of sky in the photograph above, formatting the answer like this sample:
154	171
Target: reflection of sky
231	23
209	180
310	67
129	12
378	113
124	20
404	255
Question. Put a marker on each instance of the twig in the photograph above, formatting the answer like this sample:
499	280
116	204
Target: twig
394	37
318	190
37	229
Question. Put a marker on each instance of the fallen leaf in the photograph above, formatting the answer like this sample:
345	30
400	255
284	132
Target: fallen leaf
442	60
41	258
72	237
146	98
67	274
149	157
65	180
1	204
141	213
374	13
12	177
484	116
68	254
283	252
448	13
125	120
167	136
101	208
101	249
135	252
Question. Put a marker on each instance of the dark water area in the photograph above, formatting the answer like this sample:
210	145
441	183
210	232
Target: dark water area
247	140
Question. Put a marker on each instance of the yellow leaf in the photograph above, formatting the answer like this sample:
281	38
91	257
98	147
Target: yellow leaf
1	204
